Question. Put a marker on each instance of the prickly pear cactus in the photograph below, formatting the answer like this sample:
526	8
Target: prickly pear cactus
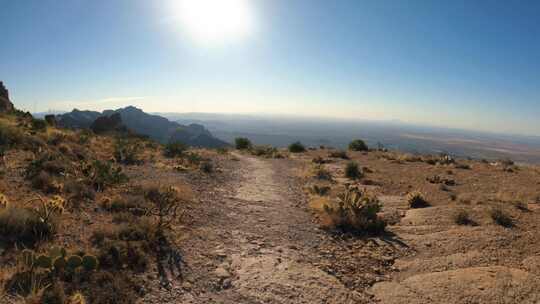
73	261
89	262
59	263
56	252
43	261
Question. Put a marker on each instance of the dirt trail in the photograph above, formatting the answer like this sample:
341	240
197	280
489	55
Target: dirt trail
261	245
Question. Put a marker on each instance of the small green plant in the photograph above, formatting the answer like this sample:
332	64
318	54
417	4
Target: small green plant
352	171
358	145
462	217
297	147
127	152
39	125
501	217
319	172
242	143
355	212
174	149
103	174
416	199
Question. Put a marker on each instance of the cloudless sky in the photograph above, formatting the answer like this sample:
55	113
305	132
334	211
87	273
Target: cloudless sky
466	64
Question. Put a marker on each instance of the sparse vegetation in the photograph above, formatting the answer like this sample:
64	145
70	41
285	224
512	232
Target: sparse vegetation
297	147
242	143
501	217
416	199
354	212
127	151
358	145
319	172
320	190
352	171
103	175
462	217
174	149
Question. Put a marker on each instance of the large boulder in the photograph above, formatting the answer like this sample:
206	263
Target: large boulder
5	103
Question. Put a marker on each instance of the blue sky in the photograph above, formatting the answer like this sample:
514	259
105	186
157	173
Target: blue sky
465	64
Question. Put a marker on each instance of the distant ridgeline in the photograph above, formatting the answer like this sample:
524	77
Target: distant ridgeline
153	126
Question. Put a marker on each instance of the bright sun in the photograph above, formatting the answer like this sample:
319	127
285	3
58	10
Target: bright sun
215	21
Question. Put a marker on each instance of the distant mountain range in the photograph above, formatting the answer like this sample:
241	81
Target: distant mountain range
153	126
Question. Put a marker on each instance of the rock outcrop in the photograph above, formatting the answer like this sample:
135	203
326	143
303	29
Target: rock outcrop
5	103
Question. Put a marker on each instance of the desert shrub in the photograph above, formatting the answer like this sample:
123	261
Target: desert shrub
462	217
56	138
206	167
319	172
26	226
48	162
242	143
338	154
103	174
358	145
111	288
266	151
501	217
352	171
10	136
355	212
320	190
174	149
416	199
130	250
127	152
39	125
193	158
46	183
79	192
297	147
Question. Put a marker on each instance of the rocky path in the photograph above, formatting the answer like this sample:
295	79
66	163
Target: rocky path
458	264
261	245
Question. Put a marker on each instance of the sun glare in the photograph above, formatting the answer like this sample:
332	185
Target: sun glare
215	21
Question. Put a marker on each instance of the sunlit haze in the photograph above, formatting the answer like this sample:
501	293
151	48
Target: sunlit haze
460	64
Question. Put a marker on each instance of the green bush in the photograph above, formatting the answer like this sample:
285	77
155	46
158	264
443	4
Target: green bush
127	152
501	217
352	171
358	145
297	147
355	212
174	149
103	174
242	143
462	217
39	125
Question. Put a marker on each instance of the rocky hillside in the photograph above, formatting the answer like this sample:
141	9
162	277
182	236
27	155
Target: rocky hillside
153	126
